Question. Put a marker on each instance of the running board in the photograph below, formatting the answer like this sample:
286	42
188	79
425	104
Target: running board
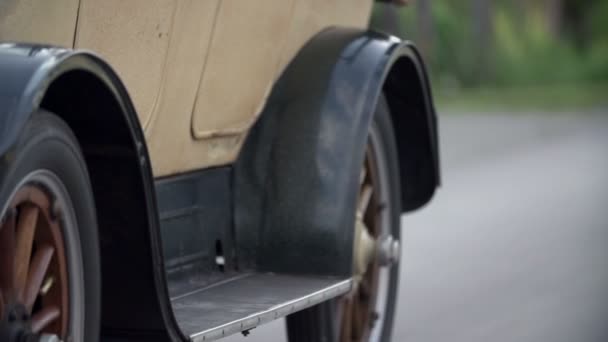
249	300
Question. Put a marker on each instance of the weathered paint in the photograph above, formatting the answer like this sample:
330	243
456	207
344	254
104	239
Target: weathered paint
33	21
133	36
198	71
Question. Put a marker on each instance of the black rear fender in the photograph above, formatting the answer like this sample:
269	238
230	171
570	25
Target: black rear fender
297	176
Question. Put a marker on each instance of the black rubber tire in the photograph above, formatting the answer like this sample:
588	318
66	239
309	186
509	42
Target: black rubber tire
319	323
47	143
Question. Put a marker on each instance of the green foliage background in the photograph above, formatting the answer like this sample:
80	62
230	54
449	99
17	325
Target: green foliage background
522	52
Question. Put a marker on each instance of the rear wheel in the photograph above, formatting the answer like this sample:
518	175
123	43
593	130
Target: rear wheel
366	314
49	260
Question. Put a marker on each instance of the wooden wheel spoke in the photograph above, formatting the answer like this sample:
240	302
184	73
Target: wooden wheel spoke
365	198
347	317
7	257
357	327
44	317
362	176
364	287
39	266
26	228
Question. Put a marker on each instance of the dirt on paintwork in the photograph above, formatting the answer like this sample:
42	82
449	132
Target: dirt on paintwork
6	7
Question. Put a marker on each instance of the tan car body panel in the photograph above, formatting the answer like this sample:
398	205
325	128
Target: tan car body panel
238	72
34	21
133	36
198	71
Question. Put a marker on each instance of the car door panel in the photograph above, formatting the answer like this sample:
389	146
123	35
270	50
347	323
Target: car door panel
242	64
312	16
33	21
169	136
198	71
133	36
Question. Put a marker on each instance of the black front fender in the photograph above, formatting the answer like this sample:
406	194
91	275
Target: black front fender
26	73
86	93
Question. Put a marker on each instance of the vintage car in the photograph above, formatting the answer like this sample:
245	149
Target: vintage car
183	170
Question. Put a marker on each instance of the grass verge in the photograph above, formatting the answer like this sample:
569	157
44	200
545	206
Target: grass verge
548	98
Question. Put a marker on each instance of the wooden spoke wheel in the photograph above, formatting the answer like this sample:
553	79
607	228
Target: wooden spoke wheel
359	315
46	218
363	312
33	284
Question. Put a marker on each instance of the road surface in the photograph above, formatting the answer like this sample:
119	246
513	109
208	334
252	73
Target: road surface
514	247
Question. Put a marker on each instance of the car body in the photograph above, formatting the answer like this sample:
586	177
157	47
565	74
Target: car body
184	62
223	141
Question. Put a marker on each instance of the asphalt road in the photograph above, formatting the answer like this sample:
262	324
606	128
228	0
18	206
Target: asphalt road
514	247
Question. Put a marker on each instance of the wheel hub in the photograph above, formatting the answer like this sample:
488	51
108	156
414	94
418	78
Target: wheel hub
388	250
385	250
16	327
13	329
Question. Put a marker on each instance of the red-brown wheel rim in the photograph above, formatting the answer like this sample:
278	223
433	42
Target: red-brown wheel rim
35	283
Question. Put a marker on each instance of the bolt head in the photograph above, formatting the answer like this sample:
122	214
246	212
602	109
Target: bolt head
389	250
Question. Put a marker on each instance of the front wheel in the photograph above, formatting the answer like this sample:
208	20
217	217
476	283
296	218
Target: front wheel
49	259
366	314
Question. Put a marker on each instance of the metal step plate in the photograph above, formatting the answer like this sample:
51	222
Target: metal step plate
249	300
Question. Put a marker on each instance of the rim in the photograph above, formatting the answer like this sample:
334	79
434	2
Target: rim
362	311
41	283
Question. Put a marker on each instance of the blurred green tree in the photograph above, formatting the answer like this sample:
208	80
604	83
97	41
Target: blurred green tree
505	42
